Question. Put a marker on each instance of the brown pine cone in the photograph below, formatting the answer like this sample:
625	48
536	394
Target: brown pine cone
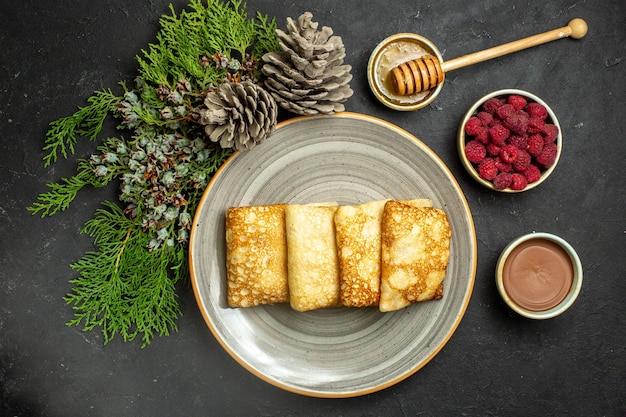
239	115
307	77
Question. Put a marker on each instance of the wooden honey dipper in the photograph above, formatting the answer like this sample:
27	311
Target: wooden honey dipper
427	72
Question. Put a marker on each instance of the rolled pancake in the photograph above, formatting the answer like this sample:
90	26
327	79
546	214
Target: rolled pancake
415	252
256	255
358	235
312	256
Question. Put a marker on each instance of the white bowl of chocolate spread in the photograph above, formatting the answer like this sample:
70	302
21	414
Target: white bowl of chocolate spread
539	275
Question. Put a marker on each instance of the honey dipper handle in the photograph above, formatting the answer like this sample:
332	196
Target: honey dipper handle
576	28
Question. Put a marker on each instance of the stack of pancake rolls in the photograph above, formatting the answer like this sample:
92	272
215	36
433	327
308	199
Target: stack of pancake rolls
386	253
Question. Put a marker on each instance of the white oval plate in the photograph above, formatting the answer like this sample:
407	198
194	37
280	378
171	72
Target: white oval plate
348	158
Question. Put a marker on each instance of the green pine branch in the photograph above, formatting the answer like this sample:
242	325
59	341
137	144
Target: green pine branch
122	288
266	36
242	39
217	27
126	286
61	194
87	121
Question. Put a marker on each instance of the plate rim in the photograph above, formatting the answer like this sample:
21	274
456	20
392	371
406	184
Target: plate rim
328	394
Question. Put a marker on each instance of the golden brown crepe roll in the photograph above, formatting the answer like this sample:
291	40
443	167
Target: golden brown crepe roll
312	256
358	252
415	253
256	255
358	234
418	202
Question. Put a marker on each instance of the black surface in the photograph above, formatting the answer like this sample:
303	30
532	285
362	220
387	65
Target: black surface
55	54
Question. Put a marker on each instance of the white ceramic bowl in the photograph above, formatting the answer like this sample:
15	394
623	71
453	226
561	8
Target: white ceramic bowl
474	109
569	297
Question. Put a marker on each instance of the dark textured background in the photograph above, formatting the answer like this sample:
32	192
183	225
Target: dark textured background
55	54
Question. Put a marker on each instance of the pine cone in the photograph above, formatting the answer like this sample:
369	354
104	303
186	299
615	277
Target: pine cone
239	115
307	77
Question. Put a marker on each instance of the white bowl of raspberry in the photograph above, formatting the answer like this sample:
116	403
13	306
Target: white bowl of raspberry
509	141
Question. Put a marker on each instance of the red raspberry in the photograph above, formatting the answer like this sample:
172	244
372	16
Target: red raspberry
509	153
535	144
493	149
517	101
472	125
505	111
486	118
548	155
502	180
522	162
536	110
487	169
516	123
535	125
482	135
475	151
499	134
503	166
495	122
518	181
520	141
532	173
491	105
550	132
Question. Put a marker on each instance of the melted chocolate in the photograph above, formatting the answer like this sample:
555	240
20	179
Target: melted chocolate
538	274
